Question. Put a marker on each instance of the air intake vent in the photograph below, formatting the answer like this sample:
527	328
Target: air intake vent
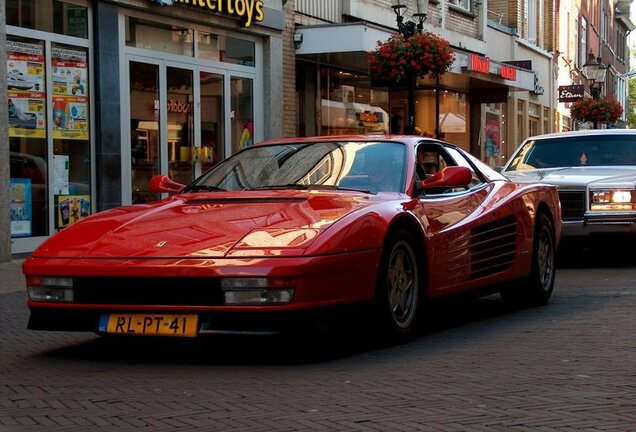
487	250
493	247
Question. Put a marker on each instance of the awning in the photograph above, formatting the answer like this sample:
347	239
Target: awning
347	46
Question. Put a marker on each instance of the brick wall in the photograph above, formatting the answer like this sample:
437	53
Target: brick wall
289	72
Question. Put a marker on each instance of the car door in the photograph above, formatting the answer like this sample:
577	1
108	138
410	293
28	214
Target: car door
463	235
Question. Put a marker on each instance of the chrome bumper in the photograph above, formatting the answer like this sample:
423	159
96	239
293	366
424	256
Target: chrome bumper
600	224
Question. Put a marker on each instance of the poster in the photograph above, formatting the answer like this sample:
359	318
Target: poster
26	92
60	168
71	209
20	207
70	93
493	140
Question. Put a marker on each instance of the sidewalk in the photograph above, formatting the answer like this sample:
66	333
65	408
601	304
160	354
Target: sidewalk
11	277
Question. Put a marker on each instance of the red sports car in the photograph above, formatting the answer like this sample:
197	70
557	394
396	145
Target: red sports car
286	228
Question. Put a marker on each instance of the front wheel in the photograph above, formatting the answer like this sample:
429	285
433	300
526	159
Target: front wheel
536	288
398	287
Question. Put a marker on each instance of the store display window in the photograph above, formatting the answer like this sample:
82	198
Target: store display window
350	106
49	16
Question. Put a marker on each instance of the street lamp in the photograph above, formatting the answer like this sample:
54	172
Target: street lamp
595	71
408	29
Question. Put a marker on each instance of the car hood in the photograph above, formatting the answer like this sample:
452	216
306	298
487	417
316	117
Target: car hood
576	177
240	224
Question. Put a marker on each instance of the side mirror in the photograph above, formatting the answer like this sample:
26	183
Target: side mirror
449	177
163	184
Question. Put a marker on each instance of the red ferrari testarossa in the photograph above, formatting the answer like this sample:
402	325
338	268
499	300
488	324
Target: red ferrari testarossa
290	227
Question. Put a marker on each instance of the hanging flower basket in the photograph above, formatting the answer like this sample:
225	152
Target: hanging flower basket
604	110
421	54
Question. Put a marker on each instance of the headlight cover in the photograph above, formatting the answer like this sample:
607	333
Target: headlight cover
50	289
613	200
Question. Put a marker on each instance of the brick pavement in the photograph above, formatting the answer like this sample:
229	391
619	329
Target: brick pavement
11	278
566	367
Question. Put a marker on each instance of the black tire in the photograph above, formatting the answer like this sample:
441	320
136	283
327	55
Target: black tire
399	296
536	288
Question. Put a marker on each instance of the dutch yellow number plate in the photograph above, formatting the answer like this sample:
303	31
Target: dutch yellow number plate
150	324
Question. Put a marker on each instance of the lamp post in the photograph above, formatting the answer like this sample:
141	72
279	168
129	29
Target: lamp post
594	70
408	29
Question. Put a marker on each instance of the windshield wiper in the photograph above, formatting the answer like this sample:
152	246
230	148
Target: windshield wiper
197	188
285	186
307	187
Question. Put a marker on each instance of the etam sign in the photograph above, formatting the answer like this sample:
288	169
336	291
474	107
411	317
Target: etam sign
249	11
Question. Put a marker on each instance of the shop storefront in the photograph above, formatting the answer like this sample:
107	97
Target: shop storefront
465	106
104	95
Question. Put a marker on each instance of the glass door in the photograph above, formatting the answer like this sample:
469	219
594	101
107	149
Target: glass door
182	155
212	122
145	134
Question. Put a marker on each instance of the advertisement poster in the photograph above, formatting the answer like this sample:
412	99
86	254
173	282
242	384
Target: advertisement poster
70	209
70	94
493	139
20	207
26	93
60	168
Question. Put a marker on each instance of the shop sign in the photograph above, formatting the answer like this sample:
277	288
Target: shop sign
248	10
508	73
479	64
571	93
176	106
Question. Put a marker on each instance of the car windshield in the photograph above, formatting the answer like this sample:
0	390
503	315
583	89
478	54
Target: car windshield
368	166
591	150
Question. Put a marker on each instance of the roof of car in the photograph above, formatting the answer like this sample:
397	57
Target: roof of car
584	132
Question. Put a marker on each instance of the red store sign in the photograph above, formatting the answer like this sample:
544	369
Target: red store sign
480	64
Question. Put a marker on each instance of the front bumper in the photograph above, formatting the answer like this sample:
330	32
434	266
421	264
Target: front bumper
178	287
603	223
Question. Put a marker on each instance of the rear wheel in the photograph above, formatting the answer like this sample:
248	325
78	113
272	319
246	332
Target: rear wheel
536	288
398	288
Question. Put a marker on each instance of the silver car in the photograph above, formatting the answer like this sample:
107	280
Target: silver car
595	172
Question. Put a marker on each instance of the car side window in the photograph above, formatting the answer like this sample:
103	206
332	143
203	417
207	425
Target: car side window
430	158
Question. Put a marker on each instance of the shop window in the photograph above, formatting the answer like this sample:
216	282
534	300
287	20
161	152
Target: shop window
546	120
182	155
533	119
493	148
242	115
454	119
26	71
212	120
70	166
521	108
226	49
157	36
350	105
49	16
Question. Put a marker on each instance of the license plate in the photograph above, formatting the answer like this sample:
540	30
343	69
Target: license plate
150	324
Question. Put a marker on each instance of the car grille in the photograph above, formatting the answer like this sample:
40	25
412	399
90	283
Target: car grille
178	291
572	204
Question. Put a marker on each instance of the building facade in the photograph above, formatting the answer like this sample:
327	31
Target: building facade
469	105
598	29
102	95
